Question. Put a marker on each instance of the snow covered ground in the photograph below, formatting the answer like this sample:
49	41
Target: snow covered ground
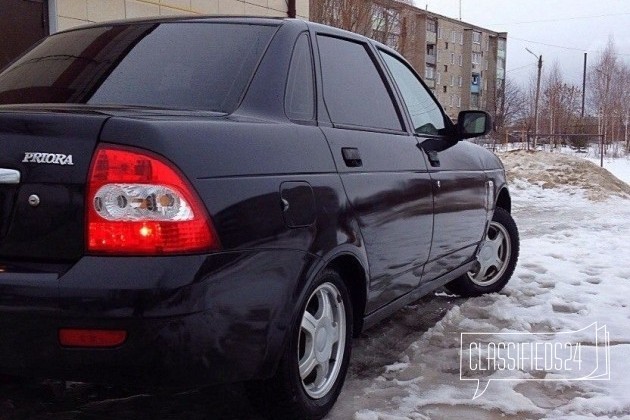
573	271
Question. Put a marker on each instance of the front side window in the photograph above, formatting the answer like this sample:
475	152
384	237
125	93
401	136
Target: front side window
354	91
426	115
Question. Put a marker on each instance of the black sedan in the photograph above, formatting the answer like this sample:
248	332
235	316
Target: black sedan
204	201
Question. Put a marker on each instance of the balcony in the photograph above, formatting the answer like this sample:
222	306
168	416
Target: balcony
431	37
430	83
430	59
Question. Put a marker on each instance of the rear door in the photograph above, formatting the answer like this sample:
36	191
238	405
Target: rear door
22	24
382	169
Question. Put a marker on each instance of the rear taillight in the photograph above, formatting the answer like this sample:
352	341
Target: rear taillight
138	203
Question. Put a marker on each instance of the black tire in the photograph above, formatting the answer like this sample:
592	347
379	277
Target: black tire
285	396
471	283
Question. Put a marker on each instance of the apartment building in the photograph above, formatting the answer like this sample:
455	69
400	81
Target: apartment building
462	63
469	70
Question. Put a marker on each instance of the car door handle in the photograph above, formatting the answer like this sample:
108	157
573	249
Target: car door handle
352	157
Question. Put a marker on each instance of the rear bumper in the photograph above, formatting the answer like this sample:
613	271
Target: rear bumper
190	319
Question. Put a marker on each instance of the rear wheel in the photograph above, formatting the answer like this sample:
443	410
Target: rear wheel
496	259
315	361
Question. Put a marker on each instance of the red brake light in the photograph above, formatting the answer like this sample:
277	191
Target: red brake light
138	203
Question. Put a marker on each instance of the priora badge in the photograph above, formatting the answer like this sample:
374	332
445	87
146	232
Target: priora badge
49	158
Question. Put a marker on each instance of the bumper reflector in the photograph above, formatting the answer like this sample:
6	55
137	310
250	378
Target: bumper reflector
70	337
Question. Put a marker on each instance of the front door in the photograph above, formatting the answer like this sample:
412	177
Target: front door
459	185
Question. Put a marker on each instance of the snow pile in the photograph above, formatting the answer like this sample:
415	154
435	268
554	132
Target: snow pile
573	271
553	170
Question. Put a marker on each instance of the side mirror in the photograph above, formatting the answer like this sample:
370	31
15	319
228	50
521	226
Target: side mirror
473	124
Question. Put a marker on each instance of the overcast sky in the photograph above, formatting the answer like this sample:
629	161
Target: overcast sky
577	25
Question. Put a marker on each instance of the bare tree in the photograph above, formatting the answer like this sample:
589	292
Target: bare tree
561	105
511	106
606	86
381	20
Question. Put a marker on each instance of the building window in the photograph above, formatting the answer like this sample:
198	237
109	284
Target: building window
461	60
474	100
438	78
476	58
452	101
452	80
461	38
486	65
476	37
445	89
452	58
431	26
431	49
453	37
459	102
429	72
460	81
446	45
445	68
475	79
439	32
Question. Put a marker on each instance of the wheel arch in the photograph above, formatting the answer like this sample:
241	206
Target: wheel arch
355	277
504	200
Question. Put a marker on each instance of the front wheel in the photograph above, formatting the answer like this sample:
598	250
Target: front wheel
496	259
315	361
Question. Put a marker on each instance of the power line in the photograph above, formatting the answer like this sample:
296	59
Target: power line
559	46
548	45
521	68
562	19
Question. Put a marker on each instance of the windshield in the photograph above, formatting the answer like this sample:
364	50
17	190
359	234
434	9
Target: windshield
178	65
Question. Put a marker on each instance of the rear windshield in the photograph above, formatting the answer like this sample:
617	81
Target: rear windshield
201	66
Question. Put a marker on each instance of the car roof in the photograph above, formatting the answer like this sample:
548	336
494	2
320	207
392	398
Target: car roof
252	20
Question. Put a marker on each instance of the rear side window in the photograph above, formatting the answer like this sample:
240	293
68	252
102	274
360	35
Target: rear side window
354	91
204	66
299	99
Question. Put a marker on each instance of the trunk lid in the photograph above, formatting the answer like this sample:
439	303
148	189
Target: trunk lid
42	215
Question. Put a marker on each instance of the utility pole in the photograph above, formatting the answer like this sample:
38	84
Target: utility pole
601	151
604	110
584	85
540	63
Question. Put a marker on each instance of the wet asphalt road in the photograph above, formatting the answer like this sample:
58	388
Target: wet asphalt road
43	399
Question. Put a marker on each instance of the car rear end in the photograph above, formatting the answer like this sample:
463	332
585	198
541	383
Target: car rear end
109	257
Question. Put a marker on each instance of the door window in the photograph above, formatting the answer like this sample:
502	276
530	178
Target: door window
426	115
299	99
354	91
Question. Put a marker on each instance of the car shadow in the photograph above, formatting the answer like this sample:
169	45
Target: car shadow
375	348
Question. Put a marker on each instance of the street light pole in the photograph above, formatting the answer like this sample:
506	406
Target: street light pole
540	62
